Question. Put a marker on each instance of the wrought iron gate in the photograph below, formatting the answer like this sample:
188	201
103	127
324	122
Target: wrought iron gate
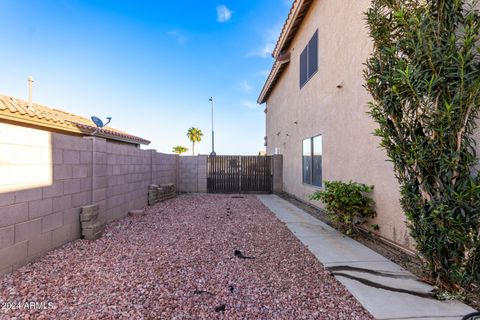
239	174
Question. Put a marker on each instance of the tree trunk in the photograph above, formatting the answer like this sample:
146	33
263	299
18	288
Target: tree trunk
193	148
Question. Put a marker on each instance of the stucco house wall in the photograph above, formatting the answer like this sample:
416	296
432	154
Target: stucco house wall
339	114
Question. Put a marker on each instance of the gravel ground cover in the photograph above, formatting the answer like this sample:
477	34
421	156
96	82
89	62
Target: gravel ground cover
193	257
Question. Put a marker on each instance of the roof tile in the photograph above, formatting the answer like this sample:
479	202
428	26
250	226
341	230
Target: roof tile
58	119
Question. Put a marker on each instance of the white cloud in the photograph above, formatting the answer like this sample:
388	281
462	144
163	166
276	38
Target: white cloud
270	37
179	36
223	13
264	73
250	105
246	87
264	51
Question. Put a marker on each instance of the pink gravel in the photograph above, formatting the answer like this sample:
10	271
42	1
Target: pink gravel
178	262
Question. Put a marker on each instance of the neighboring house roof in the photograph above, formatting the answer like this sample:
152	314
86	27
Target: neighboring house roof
295	18
16	110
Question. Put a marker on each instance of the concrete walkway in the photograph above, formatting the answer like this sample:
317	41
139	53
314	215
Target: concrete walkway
384	288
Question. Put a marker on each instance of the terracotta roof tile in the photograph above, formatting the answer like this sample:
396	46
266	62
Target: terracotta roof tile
17	110
294	19
290	27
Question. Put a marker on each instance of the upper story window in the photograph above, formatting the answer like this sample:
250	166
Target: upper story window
309	60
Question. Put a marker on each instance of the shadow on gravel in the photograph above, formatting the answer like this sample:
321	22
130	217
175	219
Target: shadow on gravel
240	255
220	308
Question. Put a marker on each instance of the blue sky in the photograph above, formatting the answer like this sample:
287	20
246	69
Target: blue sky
151	65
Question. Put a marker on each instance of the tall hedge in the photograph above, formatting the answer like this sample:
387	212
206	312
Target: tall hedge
424	76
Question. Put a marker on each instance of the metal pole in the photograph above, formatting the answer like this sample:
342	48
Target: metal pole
30	90
213	132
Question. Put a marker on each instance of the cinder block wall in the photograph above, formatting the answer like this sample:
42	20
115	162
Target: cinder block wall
192	174
164	168
35	220
127	176
43	212
277	169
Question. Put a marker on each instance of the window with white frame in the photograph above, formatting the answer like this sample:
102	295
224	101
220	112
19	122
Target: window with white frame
309	60
312	161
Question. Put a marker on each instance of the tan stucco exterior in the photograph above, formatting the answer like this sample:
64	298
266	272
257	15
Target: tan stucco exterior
333	103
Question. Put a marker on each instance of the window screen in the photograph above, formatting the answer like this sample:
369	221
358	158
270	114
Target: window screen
307	161
303	67
309	60
313	55
317	161
312	161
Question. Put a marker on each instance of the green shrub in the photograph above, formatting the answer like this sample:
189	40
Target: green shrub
346	204
424	77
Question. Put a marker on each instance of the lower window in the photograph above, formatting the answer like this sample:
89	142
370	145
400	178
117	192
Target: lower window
312	161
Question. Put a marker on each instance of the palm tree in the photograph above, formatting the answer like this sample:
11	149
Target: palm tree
179	149
195	135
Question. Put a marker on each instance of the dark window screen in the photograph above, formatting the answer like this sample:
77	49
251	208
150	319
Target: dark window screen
309	60
312	161
303	67
317	161
313	55
307	161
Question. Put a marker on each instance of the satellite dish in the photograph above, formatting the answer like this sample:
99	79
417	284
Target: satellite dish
98	122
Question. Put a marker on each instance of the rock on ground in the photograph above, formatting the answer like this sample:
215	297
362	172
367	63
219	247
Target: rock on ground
178	262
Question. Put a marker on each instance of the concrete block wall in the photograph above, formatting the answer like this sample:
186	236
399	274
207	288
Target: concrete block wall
202	163
277	171
26	158
192	174
127	176
36	220
164	168
42	212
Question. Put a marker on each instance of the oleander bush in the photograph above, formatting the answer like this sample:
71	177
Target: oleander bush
424	77
347	204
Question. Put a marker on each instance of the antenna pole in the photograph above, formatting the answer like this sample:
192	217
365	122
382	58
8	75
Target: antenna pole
30	90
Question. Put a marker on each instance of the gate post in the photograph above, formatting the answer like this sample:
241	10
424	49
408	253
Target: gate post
277	173
202	162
